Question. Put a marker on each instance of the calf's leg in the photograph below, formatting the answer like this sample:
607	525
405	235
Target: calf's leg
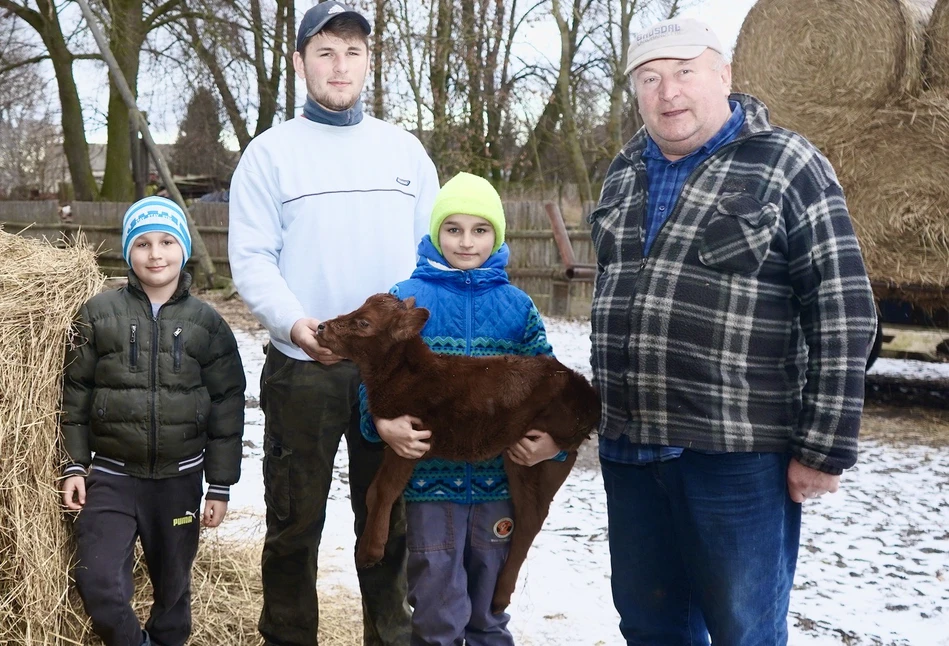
386	487
532	489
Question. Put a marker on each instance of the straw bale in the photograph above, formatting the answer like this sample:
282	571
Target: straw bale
894	174
936	62
799	56
41	288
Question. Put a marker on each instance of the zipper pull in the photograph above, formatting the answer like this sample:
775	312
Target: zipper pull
132	334
642	264
177	331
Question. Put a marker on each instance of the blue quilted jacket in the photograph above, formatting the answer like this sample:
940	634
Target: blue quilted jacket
475	313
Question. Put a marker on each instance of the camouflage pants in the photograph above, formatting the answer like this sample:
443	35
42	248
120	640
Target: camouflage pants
308	407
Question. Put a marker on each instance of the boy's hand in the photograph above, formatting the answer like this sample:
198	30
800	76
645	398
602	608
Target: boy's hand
402	437
303	334
214	511
74	492
533	448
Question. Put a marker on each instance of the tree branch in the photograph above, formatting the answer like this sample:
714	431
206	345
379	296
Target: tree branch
23	63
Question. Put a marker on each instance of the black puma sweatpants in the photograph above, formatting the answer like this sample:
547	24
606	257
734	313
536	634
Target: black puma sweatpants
166	515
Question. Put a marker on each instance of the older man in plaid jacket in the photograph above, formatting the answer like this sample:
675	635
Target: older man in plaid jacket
732	316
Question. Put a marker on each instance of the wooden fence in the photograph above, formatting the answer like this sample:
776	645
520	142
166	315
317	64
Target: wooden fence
535	265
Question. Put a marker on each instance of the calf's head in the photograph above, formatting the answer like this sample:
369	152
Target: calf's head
374	329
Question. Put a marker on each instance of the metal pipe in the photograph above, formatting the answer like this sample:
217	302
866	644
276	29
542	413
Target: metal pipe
572	269
561	237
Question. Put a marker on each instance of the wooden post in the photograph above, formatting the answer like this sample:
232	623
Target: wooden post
199	251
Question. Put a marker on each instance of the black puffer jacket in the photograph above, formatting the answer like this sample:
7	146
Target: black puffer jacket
153	396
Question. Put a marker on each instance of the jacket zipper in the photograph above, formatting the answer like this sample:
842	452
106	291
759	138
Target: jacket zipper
469	330
469	323
133	346
153	392
177	349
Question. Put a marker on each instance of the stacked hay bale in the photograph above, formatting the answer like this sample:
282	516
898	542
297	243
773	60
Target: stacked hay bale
41	289
849	75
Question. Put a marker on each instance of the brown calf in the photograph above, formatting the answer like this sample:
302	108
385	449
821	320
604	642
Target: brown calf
475	407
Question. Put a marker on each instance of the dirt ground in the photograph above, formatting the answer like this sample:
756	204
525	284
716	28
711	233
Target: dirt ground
233	309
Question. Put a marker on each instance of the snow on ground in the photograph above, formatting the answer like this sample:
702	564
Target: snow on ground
873	567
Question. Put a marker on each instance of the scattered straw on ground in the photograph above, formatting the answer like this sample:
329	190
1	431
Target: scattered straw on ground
227	593
936	63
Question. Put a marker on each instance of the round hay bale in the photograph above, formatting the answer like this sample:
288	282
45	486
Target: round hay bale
848	53
936	61
894	176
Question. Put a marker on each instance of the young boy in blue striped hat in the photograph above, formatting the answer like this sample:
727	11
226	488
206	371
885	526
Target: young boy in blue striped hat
459	514
153	397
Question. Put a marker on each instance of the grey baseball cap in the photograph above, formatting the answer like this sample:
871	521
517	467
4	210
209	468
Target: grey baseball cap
681	38
318	15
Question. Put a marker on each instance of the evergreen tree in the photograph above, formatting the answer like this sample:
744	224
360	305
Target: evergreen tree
198	150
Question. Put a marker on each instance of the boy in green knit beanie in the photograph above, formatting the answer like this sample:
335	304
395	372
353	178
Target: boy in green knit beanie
460	517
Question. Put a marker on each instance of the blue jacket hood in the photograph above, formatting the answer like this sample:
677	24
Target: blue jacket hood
433	266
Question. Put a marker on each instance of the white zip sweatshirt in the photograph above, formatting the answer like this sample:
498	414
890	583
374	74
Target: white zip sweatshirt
322	217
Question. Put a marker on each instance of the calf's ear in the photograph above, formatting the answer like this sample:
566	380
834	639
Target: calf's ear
410	323
409	303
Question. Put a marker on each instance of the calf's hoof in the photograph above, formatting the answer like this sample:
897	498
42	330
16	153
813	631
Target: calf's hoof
499	603
367	555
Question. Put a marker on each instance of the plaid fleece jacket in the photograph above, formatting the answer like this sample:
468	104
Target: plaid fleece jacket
747	326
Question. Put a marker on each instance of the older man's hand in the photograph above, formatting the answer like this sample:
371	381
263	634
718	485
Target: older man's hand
806	483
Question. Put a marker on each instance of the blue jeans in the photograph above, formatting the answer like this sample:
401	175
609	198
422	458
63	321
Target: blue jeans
702	545
455	554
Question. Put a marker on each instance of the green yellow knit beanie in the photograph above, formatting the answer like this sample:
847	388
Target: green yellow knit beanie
468	194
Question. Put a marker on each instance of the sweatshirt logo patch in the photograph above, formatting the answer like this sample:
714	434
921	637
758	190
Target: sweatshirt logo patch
403	182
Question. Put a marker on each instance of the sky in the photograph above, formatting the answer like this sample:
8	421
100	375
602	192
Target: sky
724	16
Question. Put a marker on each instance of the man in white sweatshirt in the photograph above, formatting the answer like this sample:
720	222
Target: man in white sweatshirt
326	209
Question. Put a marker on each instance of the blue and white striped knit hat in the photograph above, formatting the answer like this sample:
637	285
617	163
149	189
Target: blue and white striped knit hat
155	214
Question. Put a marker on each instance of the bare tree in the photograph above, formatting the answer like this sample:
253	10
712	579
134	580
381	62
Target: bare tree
43	18
619	18
378	47
440	56
30	157
128	24
569	28
247	50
